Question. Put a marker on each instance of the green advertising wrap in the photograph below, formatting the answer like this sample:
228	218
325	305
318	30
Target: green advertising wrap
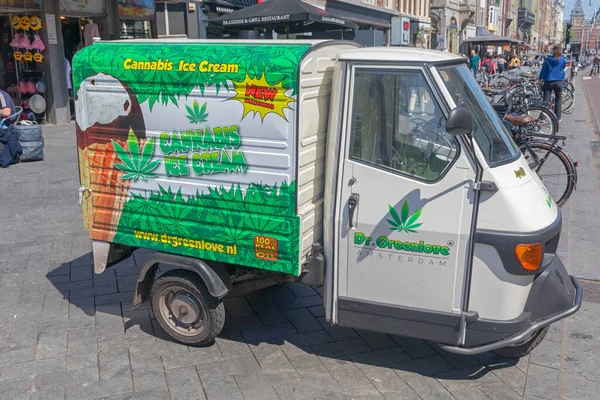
189	148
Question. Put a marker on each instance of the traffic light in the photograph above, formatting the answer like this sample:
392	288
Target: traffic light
568	34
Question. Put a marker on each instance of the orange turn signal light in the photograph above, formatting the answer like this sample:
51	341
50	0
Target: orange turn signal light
529	255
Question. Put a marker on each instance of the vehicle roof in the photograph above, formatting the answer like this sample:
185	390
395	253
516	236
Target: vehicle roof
214	41
398	54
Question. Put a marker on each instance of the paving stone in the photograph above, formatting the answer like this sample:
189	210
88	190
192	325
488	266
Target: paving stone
415	348
337	333
270	314
350	378
472	393
100	389
300	290
236	366
254	382
221	388
238	307
159	394
303	320
547	354
95	291
264	393
303	341
184	384
303	360
301	302
35	367
376	340
15	389
389	383
201	355
577	387
427	388
58	380
429	366
51	344
337	349
114	298
240	324
148	373
513	377
380	358
317	311
466	377
311	384
232	345
356	394
82	354
57	393
114	364
7	358
500	391
542	381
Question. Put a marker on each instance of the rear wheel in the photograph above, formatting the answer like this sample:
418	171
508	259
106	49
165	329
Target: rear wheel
545	122
525	347
185	310
553	166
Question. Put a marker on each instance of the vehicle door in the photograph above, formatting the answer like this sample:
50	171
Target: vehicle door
404	207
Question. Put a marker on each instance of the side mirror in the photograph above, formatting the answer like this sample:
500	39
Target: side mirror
460	122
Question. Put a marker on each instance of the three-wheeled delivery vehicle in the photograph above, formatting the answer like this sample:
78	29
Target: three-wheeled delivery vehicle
382	174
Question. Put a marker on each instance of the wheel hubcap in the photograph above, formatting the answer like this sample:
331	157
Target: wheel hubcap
183	311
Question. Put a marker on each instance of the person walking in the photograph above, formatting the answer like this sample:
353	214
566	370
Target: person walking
595	66
474	63
501	64
552	77
515	62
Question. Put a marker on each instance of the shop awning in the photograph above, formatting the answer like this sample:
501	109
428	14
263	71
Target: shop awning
492	40
291	16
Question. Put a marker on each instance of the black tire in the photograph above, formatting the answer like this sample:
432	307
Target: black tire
553	155
545	121
192	297
523	349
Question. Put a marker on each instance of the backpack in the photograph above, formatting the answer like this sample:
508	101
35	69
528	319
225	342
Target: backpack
487	65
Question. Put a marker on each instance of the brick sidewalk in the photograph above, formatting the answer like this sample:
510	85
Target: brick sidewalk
69	334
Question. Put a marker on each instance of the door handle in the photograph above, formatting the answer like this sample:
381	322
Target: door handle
352	204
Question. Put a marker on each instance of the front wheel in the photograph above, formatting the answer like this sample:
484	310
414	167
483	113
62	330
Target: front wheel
522	349
545	122
554	167
185	310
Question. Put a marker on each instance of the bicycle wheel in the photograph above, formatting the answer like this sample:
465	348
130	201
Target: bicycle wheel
554	168
569	85
567	101
545	121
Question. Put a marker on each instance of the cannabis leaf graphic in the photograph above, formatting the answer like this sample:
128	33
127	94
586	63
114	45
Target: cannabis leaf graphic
136	164
403	222
198	114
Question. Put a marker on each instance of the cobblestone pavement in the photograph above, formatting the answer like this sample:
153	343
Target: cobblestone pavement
69	334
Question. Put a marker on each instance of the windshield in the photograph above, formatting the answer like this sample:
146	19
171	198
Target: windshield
491	135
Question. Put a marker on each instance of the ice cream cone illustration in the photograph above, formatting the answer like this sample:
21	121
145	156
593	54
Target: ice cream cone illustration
109	120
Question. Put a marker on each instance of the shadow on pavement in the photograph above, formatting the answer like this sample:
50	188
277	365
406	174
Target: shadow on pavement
284	323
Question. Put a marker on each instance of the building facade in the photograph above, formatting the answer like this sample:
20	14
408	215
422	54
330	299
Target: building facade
577	29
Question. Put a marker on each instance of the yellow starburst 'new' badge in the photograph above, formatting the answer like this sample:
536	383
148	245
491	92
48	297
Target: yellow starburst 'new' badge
258	96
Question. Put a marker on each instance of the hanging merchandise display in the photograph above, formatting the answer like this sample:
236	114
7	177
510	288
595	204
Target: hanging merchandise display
25	22
26	56
16	22
35	23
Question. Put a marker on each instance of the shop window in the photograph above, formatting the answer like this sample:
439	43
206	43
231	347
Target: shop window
171	19
397	126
